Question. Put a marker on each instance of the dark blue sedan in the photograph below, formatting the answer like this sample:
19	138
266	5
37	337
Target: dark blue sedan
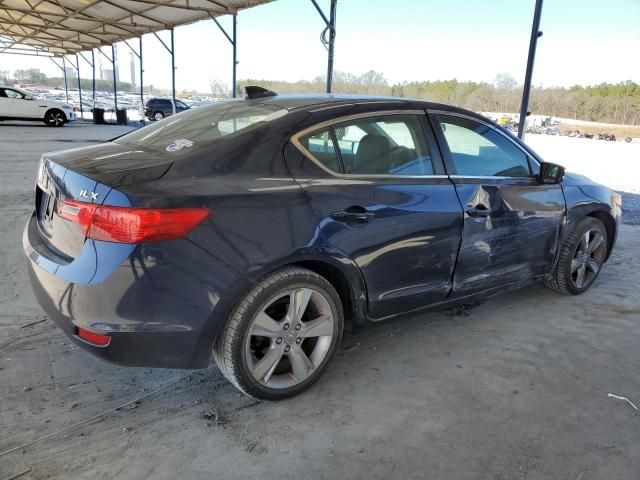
261	229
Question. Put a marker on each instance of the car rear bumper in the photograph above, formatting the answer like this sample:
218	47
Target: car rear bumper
162	305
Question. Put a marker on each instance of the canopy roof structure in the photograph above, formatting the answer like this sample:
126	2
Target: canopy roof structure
63	28
59	27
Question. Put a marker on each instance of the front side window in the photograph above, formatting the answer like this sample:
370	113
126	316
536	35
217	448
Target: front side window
13	94
479	150
387	145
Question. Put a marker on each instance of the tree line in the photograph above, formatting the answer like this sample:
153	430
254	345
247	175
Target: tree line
608	103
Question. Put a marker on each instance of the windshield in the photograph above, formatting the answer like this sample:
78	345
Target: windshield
201	125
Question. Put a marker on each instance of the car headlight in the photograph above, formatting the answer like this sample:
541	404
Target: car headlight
616	198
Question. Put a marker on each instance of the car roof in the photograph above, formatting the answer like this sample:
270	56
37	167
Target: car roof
294	102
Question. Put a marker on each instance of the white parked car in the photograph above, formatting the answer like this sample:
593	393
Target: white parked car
16	104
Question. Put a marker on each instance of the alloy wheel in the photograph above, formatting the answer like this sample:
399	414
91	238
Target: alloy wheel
289	338
56	119
158	116
588	258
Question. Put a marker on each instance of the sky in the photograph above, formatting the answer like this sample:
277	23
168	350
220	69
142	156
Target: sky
585	42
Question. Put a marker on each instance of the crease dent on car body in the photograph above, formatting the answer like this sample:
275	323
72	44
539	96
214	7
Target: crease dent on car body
259	229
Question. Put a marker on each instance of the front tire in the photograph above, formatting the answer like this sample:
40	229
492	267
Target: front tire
282	334
581	258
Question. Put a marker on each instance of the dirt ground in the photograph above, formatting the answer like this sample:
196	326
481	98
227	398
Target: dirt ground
515	388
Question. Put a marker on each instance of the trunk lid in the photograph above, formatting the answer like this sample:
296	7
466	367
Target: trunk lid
113	164
88	175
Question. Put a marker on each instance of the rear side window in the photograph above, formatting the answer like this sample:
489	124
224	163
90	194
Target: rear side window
479	150
202	125
388	145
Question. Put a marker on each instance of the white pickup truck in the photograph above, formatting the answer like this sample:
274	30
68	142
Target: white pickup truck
16	104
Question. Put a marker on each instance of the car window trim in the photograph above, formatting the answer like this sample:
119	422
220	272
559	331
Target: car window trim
336	149
329	124
450	165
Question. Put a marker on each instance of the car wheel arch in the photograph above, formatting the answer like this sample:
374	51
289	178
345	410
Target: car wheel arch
339	280
610	226
598	211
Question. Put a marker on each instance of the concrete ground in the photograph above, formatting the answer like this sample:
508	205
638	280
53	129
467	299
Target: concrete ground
515	388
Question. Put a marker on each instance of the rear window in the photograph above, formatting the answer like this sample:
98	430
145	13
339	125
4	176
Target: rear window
201	125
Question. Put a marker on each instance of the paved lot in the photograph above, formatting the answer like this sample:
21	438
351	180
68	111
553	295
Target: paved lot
514	388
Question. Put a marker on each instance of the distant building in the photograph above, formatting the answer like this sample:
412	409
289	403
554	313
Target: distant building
107	74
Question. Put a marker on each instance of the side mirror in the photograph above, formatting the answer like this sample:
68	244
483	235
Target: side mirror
550	173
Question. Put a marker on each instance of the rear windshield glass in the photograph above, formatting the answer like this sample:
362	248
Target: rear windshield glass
201	125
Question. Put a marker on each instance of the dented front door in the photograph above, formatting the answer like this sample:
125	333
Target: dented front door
510	231
511	221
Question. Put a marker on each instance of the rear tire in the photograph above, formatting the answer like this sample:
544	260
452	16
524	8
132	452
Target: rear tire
281	335
581	258
55	118
158	115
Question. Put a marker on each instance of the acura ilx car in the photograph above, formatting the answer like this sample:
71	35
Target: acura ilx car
259	230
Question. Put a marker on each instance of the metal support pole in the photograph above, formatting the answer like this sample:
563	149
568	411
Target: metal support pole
173	75
233	41
79	86
64	73
141	83
332	41
526	91
235	55
115	86
93	67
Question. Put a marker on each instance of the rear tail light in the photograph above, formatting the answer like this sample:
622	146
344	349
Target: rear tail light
93	338
132	225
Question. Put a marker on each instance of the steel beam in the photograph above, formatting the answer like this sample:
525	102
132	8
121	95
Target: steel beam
143	120
92	63
79	87
526	91
93	67
235	56
170	49
233	39
64	73
332	42
173	74
139	55
329	43
115	83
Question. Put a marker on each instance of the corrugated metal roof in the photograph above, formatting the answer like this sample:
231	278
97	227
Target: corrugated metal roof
58	27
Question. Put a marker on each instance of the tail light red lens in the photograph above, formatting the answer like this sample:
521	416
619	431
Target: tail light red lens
132	225
93	338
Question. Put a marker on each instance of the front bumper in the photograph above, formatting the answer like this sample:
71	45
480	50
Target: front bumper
162	305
